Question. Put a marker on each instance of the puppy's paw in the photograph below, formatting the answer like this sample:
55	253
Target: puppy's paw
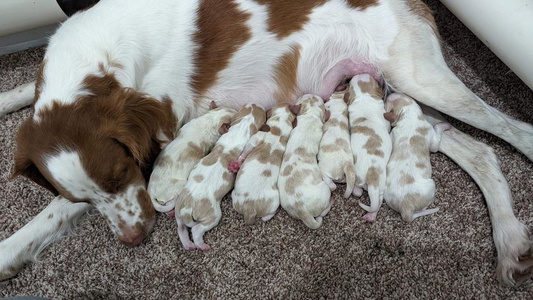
515	252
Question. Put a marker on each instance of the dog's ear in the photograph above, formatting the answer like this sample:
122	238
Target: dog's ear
265	128
327	114
295	108
390	116
212	105
28	169
224	128
138	123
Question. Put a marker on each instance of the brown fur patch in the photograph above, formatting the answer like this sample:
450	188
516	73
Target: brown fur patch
362	4
198	178
422	130
275	130
407	179
372	88
266	173
286	17
372	176
359	120
222	30
204	212
285	74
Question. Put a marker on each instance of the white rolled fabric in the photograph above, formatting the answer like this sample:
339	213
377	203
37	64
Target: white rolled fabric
504	26
21	15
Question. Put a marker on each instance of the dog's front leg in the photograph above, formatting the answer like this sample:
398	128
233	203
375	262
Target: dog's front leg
56	220
511	237
16	98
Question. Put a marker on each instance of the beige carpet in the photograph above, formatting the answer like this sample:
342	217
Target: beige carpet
446	256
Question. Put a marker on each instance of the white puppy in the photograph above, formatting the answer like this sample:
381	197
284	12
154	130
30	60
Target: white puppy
335	158
256	193
198	206
410	189
370	140
173	165
303	194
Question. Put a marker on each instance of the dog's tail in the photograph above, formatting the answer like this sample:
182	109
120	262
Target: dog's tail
375	199
349	174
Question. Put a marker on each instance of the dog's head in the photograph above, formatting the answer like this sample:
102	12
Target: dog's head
98	150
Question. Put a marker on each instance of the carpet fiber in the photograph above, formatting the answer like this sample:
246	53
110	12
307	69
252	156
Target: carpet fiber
449	255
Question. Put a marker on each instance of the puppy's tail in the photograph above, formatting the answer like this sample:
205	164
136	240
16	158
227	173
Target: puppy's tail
375	199
349	174
166	207
310	221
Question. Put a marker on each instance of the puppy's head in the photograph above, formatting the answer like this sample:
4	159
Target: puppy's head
364	84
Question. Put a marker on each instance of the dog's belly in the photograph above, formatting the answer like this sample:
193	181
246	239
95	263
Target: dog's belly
336	44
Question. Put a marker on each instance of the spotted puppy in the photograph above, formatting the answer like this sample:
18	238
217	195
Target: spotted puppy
194	141
410	189
370	140
303	194
335	158
256	193
198	206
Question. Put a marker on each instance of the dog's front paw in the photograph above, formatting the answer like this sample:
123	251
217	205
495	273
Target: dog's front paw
10	263
515	253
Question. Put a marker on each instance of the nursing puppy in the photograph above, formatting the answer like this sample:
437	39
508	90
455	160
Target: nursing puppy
370	140
173	165
256	193
303	194
335	158
198	206
410	189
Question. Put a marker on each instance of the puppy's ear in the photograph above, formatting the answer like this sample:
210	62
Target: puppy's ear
327	114
265	128
26	168
390	116
137	126
295	108
224	128
212	105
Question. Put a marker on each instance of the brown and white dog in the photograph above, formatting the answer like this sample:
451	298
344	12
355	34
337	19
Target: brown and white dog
302	192
335	158
370	140
256	194
119	79
173	165
198	206
410	189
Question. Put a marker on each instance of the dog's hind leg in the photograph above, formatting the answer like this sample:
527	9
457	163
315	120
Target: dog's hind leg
416	67
16	98
54	222
511	237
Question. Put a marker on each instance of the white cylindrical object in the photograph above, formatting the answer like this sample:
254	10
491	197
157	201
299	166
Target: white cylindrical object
21	15
505	26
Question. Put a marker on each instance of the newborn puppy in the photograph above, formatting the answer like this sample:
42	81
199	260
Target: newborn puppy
335	158
173	165
303	194
410	188
370	140
256	193
198	205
